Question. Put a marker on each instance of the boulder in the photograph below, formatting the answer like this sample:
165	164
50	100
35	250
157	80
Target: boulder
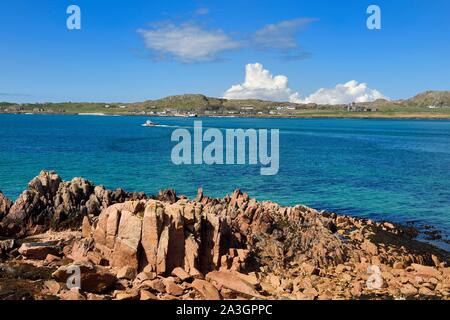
93	279
147	295
250	278
163	248
86	227
408	290
5	205
426	270
93	205
151	231
28	209
6	246
71	295
206	290
50	258
175	249
127	295
45	184
169	196
128	273
38	251
157	285
80	250
144	276
52	287
233	282
127	241
172	288
181	274
424	291
55	204
112	226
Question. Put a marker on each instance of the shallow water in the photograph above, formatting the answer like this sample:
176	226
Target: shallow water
396	170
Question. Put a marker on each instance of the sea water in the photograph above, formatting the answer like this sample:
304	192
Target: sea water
396	170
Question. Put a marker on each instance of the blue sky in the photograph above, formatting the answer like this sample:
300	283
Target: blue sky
122	53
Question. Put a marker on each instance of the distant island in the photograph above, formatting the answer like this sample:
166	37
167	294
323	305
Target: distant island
429	104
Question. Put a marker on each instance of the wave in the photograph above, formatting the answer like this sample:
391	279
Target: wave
163	126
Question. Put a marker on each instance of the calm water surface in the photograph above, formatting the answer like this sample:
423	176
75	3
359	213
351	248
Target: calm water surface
396	170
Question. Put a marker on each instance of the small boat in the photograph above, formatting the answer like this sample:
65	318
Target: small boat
149	123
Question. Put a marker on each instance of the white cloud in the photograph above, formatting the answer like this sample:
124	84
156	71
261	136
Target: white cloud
187	43
261	84
280	35
202	11
351	91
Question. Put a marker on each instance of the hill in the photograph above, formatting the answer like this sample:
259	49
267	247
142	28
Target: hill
199	102
430	98
429	104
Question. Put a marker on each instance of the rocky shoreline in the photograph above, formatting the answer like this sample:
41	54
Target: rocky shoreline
130	246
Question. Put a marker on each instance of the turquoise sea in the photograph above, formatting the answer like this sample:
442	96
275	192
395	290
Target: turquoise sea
397	170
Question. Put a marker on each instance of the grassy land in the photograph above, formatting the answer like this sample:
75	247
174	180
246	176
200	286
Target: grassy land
417	107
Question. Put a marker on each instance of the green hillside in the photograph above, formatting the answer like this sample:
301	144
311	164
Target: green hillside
430	104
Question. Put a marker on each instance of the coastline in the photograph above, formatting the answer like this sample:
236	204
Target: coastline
235	246
349	115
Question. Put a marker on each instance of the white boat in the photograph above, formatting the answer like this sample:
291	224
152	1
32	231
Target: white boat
149	123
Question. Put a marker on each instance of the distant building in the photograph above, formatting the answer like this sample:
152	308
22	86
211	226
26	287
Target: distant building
280	108
352	107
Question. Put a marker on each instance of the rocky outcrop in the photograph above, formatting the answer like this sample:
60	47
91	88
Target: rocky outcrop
129	247
5	205
50	202
239	234
215	234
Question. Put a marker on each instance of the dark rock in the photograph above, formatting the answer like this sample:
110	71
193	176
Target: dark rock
6	246
52	203
169	196
5	205
38	251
